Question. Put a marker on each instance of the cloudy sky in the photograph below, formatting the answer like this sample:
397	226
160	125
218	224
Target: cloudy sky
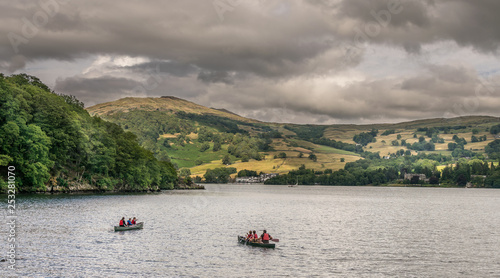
302	61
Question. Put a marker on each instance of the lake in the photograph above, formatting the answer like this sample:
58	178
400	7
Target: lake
323	232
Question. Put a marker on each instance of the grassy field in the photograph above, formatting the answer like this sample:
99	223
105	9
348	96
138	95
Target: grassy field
327	158
185	157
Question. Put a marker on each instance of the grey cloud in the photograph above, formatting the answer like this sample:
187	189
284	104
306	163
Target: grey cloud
215	77
101	89
173	68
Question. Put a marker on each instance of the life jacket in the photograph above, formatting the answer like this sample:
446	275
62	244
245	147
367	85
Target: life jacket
265	236
133	222
121	222
255	236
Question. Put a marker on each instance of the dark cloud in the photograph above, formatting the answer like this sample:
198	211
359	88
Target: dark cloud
105	88
267	59
215	77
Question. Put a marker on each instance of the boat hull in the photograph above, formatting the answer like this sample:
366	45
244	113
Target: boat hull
137	226
242	240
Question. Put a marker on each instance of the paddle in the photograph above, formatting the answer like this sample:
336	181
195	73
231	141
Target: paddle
275	240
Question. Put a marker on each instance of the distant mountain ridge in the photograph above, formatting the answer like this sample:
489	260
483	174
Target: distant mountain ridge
164	103
176	104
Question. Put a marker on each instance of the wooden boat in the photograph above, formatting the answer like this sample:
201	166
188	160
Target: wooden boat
242	240
127	228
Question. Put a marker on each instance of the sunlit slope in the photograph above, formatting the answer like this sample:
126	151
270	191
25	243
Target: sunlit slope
169	103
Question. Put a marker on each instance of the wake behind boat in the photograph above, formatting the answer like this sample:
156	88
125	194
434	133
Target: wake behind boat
127	228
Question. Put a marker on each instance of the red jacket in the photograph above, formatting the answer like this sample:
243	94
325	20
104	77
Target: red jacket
265	236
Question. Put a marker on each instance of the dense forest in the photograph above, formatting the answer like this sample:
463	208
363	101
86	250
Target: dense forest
53	142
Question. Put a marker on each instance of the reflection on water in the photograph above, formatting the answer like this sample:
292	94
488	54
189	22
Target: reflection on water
323	231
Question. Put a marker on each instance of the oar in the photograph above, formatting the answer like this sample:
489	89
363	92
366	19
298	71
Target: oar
275	240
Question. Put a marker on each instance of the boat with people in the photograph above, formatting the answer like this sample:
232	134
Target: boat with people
137	226
243	240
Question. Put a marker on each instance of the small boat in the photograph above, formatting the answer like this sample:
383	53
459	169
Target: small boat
126	228
242	240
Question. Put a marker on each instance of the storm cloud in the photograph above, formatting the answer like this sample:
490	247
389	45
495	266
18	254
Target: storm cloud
329	61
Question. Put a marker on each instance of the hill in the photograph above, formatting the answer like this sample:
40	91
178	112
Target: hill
200	138
165	103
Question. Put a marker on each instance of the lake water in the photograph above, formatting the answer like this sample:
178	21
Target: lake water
323	232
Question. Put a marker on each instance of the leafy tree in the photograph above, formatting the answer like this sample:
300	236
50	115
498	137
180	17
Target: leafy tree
364	138
205	146
226	160
313	157
217	146
495	129
185	172
493	149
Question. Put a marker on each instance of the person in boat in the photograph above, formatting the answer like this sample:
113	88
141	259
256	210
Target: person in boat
134	221
129	222
249	236
255	237
123	223
265	237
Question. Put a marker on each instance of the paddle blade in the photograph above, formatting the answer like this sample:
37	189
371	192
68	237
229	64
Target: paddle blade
275	240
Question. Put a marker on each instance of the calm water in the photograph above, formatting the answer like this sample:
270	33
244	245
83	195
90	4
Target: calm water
323	232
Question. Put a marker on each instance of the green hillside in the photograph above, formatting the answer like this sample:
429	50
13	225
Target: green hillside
200	138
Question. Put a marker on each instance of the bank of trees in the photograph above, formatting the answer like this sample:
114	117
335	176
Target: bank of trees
378	171
52	140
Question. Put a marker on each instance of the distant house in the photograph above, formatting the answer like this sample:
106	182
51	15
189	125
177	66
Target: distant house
421	177
260	179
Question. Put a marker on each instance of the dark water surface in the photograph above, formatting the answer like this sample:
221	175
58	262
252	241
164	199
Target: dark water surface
323	232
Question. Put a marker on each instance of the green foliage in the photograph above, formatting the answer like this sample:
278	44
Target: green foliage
219	175
364	138
493	149
313	157
244	146
217	146
337	144
185	172
388	132
493	180
44	135
205	146
422	145
247	173
226	160
307	132
219	123
495	129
